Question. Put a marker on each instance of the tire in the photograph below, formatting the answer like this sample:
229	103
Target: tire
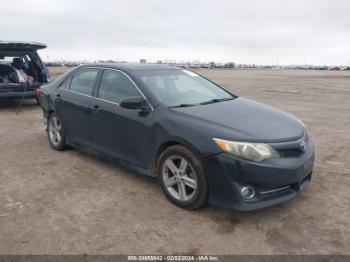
182	178
55	133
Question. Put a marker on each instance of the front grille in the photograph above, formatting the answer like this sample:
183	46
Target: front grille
290	152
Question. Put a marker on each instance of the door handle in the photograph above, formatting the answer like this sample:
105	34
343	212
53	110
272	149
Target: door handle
58	96
96	107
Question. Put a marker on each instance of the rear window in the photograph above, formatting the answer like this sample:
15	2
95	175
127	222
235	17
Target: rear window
7	59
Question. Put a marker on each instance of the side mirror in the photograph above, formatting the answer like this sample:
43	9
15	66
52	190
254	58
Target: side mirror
135	102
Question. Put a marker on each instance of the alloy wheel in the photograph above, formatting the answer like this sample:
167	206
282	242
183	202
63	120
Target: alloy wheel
179	178
55	131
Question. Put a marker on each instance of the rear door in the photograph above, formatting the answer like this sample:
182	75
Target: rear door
74	98
116	131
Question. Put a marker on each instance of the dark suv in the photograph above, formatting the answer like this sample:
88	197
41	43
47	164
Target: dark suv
21	69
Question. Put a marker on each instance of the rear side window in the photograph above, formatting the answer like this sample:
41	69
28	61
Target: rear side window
65	83
83	81
115	86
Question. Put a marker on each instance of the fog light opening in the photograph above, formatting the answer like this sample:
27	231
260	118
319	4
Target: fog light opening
247	192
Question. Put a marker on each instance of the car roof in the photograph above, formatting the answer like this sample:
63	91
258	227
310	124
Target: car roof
132	66
20	46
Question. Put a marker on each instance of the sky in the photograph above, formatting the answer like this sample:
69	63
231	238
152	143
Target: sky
273	32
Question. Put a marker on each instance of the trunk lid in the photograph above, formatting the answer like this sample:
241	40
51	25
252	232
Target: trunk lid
20	46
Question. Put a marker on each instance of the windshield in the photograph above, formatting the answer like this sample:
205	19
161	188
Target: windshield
181	87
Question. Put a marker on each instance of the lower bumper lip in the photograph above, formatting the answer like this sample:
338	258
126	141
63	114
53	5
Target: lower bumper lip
274	198
279	189
275	180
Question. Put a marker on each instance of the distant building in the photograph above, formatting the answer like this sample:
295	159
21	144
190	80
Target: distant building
143	61
229	65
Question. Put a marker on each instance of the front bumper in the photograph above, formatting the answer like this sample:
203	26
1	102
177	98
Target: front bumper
275	180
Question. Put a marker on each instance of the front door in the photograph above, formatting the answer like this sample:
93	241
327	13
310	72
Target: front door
119	132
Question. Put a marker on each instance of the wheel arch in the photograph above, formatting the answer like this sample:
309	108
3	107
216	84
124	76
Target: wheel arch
172	142
49	113
51	107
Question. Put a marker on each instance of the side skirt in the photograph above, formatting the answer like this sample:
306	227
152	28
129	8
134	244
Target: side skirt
111	160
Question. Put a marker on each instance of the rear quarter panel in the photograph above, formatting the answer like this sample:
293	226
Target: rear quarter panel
46	101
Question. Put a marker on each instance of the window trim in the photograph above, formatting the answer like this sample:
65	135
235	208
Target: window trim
97	86
131	81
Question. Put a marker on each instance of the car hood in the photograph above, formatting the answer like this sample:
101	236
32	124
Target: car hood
242	119
20	46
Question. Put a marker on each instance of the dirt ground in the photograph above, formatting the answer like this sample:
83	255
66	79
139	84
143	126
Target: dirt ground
70	203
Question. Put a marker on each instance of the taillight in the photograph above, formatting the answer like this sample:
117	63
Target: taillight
37	92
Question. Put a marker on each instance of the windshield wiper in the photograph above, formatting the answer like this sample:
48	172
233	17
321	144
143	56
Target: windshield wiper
182	105
216	100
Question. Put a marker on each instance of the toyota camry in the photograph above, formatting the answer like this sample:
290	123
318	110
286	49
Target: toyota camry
203	143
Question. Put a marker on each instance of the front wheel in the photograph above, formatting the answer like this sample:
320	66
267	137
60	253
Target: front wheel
55	133
182	178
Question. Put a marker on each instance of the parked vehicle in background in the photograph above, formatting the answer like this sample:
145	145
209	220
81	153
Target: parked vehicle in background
202	142
334	68
21	69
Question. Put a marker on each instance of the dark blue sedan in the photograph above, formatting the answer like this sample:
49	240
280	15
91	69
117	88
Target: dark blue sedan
205	144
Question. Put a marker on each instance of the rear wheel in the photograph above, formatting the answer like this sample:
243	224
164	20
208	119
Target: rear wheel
55	133
182	178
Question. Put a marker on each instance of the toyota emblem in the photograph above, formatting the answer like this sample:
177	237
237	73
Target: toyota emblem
303	145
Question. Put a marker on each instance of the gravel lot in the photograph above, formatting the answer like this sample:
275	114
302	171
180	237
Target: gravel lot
70	203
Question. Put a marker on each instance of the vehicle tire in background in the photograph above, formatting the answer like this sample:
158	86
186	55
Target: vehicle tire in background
182	178
55	133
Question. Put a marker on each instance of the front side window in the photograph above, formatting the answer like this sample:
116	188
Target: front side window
83	81
181	87
115	86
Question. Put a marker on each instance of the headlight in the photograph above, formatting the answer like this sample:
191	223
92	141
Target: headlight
252	151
